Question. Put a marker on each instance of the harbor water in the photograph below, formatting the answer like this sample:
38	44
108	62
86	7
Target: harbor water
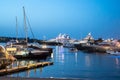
77	65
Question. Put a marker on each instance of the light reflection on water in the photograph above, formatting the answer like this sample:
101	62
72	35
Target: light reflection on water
77	65
87	60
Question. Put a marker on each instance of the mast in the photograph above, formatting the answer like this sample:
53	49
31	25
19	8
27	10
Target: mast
25	25
16	29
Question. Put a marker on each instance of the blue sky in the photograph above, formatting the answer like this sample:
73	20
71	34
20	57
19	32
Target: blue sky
51	17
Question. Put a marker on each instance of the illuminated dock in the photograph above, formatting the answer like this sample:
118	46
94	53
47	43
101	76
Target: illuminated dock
23	68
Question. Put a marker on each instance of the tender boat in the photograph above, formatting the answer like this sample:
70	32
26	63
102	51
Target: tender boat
73	49
113	52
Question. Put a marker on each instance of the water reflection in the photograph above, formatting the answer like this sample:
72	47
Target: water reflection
77	65
76	57
87	60
28	73
59	54
60	49
117	61
41	69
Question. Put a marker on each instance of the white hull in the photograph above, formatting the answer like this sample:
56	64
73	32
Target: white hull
113	52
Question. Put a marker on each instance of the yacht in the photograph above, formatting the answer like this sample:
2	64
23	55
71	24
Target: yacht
23	49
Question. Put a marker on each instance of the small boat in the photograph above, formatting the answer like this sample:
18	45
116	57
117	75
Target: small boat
113	52
73	49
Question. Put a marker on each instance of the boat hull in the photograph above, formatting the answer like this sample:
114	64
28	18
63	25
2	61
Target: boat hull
37	55
91	48
50	50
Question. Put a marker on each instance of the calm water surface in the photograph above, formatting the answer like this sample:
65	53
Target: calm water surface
77	65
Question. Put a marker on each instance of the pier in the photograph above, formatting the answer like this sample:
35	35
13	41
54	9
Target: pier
11	70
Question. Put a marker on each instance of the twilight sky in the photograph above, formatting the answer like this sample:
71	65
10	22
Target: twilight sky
51	17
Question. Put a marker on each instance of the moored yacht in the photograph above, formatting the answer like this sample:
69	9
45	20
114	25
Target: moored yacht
23	49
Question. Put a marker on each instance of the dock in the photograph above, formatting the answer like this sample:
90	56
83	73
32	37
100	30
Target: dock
11	70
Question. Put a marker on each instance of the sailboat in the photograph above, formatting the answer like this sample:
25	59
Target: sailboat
25	50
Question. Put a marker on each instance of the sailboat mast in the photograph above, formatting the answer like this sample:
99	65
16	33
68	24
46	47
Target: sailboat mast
16	29
25	25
